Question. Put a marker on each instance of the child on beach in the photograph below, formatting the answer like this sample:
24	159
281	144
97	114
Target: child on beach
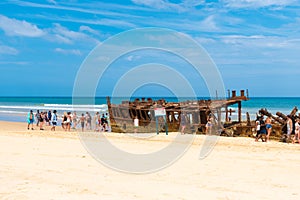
82	121
54	120
30	119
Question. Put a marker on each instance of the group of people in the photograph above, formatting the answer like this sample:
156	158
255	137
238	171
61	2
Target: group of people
97	123
69	120
263	128
42	118
184	120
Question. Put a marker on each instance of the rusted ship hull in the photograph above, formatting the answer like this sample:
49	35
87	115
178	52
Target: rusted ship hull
196	112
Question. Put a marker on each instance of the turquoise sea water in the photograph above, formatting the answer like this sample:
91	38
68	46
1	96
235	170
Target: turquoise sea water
16	108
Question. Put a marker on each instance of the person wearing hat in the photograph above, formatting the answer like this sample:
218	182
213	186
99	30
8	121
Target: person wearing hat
30	119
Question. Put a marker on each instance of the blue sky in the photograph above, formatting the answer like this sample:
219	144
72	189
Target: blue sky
255	44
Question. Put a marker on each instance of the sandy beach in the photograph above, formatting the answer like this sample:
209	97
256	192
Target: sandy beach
55	165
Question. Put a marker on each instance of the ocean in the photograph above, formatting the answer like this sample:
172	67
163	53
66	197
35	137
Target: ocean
16	108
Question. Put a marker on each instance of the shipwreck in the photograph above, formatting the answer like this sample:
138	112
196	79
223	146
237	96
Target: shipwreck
196	112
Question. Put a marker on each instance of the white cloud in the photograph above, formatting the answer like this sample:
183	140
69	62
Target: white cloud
14	27
58	33
203	40
258	41
52	1
254	50
193	3
14	63
88	29
64	35
65	32
129	58
159	4
257	3
181	6
77	7
103	21
233	39
132	58
209	23
60	39
8	50
68	51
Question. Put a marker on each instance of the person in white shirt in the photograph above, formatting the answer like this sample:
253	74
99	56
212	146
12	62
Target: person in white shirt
135	124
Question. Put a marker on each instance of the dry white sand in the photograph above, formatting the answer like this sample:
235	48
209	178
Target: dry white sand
46	165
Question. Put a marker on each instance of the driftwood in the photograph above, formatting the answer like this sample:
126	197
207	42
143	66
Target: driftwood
281	119
248	119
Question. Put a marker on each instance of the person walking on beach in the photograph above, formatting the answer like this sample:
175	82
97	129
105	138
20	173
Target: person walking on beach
46	119
257	127
136	124
49	117
100	123
53	120
95	122
182	122
263	131
208	126
88	119
82	121
268	127
64	121
30	119
74	120
107	122
297	131
289	126
42	119
38	117
68	122
103	122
